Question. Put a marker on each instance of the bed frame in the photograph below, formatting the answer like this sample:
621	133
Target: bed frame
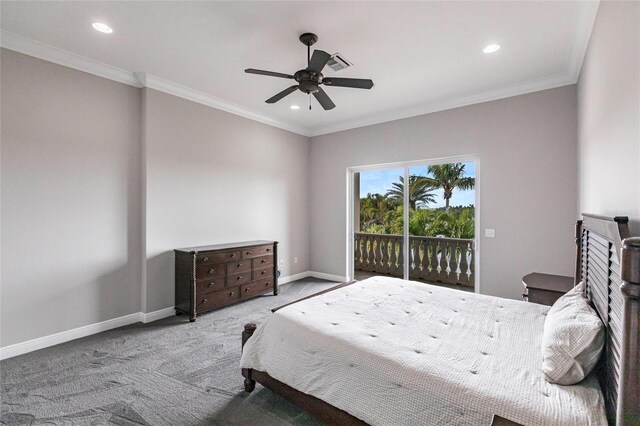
608	261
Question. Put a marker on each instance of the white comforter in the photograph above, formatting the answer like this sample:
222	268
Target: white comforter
396	352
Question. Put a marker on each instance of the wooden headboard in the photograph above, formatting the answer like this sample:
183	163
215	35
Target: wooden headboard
608	261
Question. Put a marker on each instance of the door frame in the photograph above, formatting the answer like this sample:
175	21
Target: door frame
405	165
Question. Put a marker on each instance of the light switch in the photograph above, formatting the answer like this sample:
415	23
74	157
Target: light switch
489	233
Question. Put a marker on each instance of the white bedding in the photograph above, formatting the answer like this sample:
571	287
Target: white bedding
396	352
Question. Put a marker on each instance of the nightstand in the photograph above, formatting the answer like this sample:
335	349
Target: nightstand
545	288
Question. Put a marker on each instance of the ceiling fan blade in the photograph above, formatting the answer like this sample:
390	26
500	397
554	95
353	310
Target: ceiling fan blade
356	83
318	60
282	94
269	73
324	99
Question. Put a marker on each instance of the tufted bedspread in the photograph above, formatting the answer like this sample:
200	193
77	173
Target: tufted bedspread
396	352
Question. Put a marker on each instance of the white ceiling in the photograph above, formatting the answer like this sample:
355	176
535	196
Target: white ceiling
422	56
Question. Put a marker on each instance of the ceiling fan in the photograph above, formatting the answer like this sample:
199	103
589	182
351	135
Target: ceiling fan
310	78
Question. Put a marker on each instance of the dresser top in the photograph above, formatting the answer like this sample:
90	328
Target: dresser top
224	246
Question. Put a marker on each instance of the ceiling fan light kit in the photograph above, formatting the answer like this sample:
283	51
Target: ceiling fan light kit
311	78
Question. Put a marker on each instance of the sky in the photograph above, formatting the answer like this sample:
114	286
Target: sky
379	181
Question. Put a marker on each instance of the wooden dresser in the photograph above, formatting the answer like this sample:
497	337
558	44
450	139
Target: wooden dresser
210	277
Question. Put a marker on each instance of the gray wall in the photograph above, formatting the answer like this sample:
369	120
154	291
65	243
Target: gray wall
609	115
528	170
96	174
70	249
215	177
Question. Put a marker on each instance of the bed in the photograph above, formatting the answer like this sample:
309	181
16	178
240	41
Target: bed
390	351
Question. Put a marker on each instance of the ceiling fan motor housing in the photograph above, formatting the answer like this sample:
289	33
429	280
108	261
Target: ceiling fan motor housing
308	80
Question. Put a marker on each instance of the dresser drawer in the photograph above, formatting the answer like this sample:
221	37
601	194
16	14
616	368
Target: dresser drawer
213	258
216	299
238	279
251	252
259	274
262	262
257	287
204	272
238	267
209	285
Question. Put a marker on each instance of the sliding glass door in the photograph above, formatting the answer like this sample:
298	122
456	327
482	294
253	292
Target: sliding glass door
415	221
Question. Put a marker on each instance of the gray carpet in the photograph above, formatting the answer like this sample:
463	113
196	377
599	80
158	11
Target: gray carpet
169	372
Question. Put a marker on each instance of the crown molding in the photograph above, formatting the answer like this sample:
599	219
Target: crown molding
171	88
65	58
27	46
503	93
584	27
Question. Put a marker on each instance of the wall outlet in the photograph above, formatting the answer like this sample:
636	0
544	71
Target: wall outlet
281	263
295	260
489	233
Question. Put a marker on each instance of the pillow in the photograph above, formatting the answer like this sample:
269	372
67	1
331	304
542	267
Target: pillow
573	339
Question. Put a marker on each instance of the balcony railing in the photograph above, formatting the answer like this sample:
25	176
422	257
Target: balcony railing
431	259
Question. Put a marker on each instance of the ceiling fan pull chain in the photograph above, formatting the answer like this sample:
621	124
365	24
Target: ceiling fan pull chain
309	102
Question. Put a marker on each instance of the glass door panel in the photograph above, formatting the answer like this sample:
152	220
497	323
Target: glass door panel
442	223
379	223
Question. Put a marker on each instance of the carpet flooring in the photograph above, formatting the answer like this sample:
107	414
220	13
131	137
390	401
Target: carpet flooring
169	372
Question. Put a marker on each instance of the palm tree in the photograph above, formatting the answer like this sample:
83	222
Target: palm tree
449	177
420	190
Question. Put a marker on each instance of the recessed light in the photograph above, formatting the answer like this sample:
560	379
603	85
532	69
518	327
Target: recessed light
294	107
103	28
491	48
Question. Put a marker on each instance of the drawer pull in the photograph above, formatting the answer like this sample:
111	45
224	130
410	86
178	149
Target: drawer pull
233	293
246	290
268	249
239	265
267	284
248	253
211	271
262	273
240	278
233	255
211	285
205	259
263	261
204	300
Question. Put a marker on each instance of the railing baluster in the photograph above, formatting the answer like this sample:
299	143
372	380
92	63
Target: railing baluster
400	269
365	254
453	262
424	259
431	259
393	260
472	255
376	253
385	255
442	273
414	262
464	263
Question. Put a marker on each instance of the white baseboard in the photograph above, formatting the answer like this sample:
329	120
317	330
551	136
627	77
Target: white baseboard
156	315
328	277
294	277
313	274
65	336
87	330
